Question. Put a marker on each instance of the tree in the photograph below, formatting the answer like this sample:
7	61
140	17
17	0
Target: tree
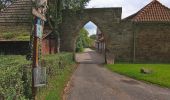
93	36
54	13
83	40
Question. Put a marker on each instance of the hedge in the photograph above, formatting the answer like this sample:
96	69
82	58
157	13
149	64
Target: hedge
15	78
15	74
59	69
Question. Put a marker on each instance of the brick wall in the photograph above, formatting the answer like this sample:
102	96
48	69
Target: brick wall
49	46
152	42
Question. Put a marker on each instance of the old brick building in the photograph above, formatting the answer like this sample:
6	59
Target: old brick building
151	30
100	42
141	37
49	44
16	20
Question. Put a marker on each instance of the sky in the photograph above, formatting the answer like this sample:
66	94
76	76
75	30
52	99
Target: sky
129	7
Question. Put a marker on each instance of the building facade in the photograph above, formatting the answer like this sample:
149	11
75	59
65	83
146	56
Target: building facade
100	43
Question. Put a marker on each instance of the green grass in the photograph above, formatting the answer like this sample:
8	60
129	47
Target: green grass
57	78
160	75
56	85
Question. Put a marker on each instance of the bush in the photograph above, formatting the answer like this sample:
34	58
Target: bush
59	68
15	79
15	74
56	63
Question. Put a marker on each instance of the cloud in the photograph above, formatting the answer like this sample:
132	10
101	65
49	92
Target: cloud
129	7
91	28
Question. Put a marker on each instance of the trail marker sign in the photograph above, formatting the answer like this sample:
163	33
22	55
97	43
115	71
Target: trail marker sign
39	28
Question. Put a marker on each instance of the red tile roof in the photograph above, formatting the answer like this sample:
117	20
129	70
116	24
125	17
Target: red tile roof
153	12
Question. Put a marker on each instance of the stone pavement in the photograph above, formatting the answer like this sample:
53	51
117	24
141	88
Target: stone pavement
91	81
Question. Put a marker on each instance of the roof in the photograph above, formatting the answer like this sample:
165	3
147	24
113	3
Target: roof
19	12
16	21
153	12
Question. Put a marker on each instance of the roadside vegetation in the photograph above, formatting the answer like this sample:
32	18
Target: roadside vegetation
59	70
83	41
160	72
15	77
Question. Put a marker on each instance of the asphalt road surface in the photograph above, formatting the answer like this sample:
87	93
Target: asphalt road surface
91	81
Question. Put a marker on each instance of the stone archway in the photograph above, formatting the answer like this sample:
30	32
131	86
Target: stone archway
107	19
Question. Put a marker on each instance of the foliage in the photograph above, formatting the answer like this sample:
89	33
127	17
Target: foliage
54	13
83	40
59	68
15	78
93	36
56	7
159	76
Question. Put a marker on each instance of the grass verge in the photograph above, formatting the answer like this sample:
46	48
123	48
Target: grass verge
160	75
57	81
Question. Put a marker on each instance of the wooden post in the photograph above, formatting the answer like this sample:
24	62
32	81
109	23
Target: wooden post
35	60
39	14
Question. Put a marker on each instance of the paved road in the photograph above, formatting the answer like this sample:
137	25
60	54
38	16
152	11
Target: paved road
91	81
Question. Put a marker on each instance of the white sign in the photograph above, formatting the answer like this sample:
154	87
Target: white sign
39	76
39	28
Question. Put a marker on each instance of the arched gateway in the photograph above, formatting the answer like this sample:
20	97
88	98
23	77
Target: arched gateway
107	19
117	34
141	37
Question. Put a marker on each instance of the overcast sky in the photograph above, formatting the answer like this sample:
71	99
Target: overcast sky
129	7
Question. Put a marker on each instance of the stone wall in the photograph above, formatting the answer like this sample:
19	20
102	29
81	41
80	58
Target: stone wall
122	43
105	18
152	42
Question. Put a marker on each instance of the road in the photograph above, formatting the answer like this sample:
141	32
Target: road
91	81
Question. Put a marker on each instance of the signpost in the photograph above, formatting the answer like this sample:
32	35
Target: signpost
38	73
39	28
38	14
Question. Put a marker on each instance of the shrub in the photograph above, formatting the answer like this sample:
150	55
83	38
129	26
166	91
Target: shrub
59	68
15	74
15	78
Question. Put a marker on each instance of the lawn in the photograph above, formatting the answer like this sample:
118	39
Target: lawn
159	76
